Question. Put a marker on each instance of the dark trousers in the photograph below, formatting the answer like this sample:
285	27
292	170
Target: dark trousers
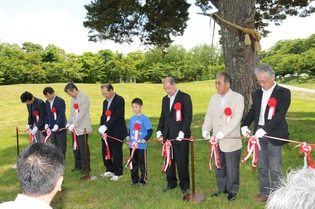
180	160
80	155
139	160
228	177
60	140
114	164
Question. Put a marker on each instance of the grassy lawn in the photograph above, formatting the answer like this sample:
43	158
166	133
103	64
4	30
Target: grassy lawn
102	193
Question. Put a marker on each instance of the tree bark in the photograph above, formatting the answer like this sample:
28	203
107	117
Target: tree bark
240	60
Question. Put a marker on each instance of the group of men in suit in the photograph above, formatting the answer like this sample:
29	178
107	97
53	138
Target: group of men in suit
223	118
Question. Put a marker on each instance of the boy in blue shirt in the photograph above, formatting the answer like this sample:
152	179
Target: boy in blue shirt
140	131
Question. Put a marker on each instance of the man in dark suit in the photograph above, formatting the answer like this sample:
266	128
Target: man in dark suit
268	110
36	115
56	119
174	123
112	123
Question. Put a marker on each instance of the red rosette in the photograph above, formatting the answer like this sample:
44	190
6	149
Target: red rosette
76	106
272	102
108	112
177	106
137	126
35	113
53	110
228	111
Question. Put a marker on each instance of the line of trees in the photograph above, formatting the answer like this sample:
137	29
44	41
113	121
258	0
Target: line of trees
32	63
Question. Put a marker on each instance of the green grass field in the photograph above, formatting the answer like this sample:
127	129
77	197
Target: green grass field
102	193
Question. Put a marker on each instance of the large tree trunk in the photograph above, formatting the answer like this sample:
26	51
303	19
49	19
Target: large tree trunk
240	60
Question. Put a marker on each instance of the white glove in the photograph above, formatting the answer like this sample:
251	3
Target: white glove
71	127
27	127
245	131
219	135
102	129
34	130
180	136
159	135
127	138
55	128
260	133
206	135
46	126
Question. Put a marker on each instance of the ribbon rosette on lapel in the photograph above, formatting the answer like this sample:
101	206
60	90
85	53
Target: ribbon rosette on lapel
136	132
108	114
228	113
178	108
272	102
54	111
76	107
35	113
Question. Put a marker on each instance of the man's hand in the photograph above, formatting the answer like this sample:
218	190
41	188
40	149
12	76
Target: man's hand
46	126
219	135
71	127
55	128
102	129
180	136
206	135
245	131
260	133
34	130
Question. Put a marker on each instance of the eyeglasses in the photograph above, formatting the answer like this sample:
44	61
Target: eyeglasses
218	83
263	82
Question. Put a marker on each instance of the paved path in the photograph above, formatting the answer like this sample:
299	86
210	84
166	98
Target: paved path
298	88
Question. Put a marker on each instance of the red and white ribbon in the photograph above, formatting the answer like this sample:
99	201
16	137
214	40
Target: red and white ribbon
36	115
54	111
107	152
272	102
136	132
167	154
32	137
306	149
76	107
48	132
214	151
228	113
178	107
108	114
252	147
75	140
134	147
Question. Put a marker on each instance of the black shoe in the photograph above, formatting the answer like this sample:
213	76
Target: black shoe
217	193
231	196
185	191
167	188
75	169
133	183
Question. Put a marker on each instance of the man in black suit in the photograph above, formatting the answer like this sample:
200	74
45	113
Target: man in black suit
174	125
268	110
56	119
36	115
113	123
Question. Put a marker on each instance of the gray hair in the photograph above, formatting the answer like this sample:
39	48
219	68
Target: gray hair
297	191
264	68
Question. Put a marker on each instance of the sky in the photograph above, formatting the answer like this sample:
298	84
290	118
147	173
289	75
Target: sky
60	22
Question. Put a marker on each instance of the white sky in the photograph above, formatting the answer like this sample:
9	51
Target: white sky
60	22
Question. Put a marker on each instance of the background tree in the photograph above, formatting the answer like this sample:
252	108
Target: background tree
153	21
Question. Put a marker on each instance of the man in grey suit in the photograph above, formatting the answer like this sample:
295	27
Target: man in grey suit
223	117
78	121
